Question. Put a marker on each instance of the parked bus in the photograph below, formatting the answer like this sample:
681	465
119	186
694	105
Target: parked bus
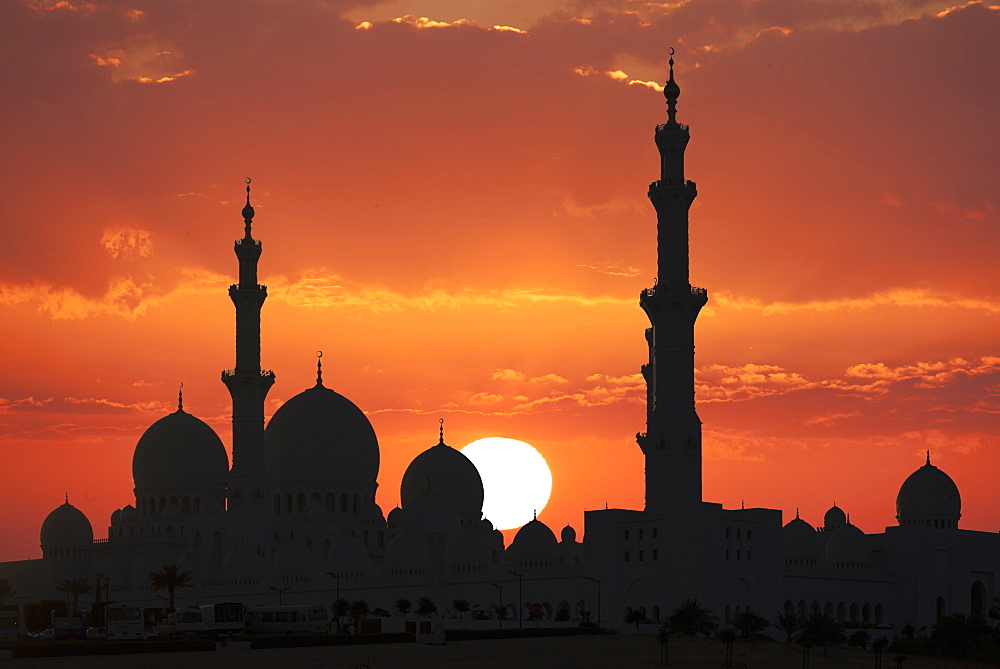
182	623
124	622
66	626
313	619
10	626
223	619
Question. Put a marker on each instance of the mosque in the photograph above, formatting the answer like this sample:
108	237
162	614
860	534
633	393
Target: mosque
295	511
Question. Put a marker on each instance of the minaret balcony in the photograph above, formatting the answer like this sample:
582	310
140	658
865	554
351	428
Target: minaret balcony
673	183
663	126
239	372
240	242
673	290
261	287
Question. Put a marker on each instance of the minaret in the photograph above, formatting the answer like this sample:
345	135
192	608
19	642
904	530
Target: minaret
672	442
248	385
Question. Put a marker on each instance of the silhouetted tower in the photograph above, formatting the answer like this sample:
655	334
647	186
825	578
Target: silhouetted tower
672	442
248	385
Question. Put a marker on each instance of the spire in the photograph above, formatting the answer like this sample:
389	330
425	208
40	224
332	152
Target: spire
67	498
248	213
319	369
671	91
441	432
928	456
796	513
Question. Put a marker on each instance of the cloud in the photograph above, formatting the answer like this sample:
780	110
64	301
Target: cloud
549	378
143	61
507	375
615	75
896	297
612	269
422	22
44	6
483	399
127	243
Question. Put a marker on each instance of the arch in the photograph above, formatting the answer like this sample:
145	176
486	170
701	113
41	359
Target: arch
302	502
186	504
357	503
288	502
803	609
331	502
173	499
854	612
842	612
939	607
637	591
879	614
978	600
197	504
866	613
343	502
828	609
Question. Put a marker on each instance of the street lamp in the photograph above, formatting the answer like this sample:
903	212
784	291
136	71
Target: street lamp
598	582
520	602
336	576
500	603
336	603
279	591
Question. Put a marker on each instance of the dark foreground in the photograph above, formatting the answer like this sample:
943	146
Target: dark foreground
559	652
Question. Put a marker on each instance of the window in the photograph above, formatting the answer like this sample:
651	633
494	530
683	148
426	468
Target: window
626	535
738	554
739	532
749	555
626	556
749	534
641	556
656	533
656	554
640	534
727	553
727	532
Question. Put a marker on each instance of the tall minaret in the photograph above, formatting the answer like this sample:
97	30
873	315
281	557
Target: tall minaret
248	384
672	442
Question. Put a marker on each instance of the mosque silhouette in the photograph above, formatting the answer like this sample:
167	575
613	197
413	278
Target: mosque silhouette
296	511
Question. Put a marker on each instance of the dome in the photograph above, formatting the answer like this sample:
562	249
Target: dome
486	525
534	542
442	470
242	565
179	451
834	518
799	539
373	514
66	526
431	513
396	519
468	548
321	435
129	512
847	544
568	535
347	557
293	561
929	496
405	553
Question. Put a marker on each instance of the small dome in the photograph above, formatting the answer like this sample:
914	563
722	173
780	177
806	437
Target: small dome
66	526
180	451
293	561
430	513
242	565
405	554
373	514
129	512
396	519
799	539
347	557
929	496
116	516
568	535
486	525
467	548
834	518
534	542
321	435
442	470
847	544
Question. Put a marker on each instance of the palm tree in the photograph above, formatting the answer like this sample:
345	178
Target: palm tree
691	619
634	617
403	605
75	587
169	578
821	630
789	622
339	609
425	607
749	623
359	609
380	612
461	607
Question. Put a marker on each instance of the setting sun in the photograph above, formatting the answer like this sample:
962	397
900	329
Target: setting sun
517	481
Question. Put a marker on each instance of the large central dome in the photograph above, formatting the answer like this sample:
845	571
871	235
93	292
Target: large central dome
321	435
929	497
179	450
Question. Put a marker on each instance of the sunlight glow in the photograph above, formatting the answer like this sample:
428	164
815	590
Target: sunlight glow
517	481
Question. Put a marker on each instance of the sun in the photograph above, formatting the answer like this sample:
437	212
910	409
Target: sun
517	482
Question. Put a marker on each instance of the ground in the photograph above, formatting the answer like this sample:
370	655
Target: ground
561	652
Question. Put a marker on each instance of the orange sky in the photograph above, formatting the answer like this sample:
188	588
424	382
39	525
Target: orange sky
453	209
